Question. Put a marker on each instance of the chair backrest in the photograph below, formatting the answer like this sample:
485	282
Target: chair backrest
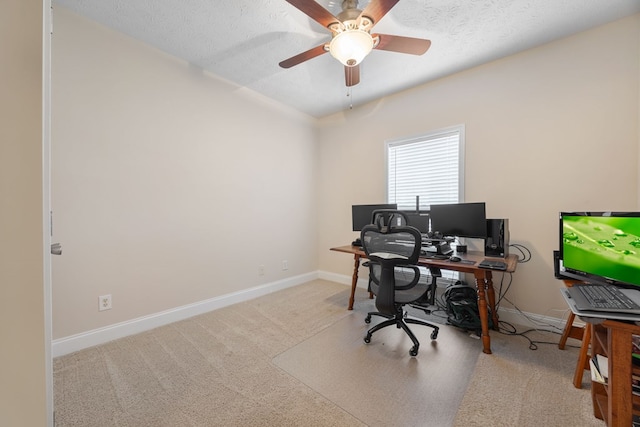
383	218
390	246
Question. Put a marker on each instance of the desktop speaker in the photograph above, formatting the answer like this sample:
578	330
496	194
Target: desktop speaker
497	241
556	264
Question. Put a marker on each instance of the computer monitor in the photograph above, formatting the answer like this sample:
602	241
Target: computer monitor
419	220
361	214
600	247
459	220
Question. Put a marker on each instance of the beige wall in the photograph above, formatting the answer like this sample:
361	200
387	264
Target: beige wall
23	398
554	128
169	186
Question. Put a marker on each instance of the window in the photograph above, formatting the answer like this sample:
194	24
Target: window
429	166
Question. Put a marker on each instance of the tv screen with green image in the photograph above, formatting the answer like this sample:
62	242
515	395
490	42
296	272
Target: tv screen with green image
601	247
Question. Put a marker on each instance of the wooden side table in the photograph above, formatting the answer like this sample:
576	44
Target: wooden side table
582	333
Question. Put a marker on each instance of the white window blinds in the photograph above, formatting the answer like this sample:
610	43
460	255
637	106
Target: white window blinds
429	166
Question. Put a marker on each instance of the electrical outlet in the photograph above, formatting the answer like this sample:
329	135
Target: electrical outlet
261	270
285	265
104	302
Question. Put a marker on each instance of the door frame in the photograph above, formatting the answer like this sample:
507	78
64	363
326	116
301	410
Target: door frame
47	30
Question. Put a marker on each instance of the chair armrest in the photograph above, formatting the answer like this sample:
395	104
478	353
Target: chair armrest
414	282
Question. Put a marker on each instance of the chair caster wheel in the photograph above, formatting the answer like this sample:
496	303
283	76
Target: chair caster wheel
367	319
413	351
367	339
434	334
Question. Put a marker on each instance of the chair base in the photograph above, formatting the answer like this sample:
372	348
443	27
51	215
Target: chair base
400	321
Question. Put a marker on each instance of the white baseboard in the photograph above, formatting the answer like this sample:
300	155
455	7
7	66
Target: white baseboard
70	344
532	320
341	278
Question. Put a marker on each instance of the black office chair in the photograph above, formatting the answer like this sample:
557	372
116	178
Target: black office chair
396	218
393	253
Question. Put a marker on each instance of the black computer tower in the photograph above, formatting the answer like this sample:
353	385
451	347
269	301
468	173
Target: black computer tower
497	241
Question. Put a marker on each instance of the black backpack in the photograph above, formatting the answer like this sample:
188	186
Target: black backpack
462	307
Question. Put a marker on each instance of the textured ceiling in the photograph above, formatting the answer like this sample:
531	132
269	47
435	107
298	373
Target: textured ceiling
244	40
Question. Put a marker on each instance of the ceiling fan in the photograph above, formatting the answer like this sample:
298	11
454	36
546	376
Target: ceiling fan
351	39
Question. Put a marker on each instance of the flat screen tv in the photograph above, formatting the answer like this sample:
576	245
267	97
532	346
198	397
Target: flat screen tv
601	247
459	220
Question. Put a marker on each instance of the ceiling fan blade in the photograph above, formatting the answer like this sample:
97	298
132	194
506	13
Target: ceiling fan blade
304	56
402	44
352	75
316	12
376	9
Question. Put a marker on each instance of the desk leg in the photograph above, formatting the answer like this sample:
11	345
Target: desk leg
491	294
354	279
482	308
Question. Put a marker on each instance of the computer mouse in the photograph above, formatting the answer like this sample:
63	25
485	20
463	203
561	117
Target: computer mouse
454	258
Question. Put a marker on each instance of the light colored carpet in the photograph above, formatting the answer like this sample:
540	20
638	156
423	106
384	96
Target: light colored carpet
379	383
516	386
210	370
296	358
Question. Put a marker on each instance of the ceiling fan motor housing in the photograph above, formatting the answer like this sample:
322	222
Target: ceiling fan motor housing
349	16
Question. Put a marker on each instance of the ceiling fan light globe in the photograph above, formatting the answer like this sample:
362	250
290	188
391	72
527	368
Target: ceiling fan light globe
350	47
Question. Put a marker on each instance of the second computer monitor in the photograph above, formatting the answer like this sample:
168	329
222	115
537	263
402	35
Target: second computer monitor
419	220
361	215
459	220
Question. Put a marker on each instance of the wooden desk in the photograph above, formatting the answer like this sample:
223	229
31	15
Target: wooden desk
615	402
483	279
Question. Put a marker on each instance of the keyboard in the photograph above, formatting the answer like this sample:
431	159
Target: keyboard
432	255
607	298
493	265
